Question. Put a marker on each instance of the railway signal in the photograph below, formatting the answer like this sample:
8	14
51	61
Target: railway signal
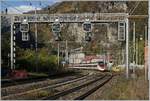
24	28
76	18
25	36
88	37
121	31
56	29
87	26
57	37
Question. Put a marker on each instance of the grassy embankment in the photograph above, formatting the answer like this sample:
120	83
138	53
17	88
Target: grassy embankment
132	89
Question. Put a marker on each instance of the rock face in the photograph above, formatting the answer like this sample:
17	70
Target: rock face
77	31
88	6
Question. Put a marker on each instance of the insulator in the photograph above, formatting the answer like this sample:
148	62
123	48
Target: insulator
6	10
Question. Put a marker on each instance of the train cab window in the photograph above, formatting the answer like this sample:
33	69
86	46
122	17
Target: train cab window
101	63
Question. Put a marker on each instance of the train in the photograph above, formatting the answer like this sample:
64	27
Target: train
101	66
95	64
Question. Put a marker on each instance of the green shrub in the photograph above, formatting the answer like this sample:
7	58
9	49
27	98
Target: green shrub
44	62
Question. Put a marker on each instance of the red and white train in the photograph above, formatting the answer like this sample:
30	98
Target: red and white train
94	62
97	66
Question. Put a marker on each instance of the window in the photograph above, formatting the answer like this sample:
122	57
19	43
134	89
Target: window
25	36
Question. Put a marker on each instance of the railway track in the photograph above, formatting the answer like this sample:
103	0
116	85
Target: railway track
83	96
10	82
12	96
84	81
71	91
11	90
13	82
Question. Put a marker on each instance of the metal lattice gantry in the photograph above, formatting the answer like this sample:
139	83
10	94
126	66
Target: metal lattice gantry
72	18
69	18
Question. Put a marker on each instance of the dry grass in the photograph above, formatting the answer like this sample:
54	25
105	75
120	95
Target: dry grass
132	89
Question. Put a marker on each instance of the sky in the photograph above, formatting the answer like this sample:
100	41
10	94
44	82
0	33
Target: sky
20	6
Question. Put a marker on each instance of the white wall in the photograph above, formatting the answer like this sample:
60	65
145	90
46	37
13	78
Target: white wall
76	57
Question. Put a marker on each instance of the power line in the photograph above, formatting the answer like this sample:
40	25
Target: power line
4	10
131	11
11	6
41	4
45	4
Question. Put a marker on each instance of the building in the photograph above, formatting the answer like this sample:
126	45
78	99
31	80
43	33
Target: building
75	58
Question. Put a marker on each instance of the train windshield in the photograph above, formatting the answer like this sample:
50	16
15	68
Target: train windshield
101	63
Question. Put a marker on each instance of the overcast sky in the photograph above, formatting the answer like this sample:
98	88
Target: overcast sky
20	6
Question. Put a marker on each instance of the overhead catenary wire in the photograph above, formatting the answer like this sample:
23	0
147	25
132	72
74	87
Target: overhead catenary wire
8	5
29	2
132	11
43	4
4	10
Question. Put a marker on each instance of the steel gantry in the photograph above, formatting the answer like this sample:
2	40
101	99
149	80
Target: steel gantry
70	18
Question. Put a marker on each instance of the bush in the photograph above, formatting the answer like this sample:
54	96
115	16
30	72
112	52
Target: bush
44	62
